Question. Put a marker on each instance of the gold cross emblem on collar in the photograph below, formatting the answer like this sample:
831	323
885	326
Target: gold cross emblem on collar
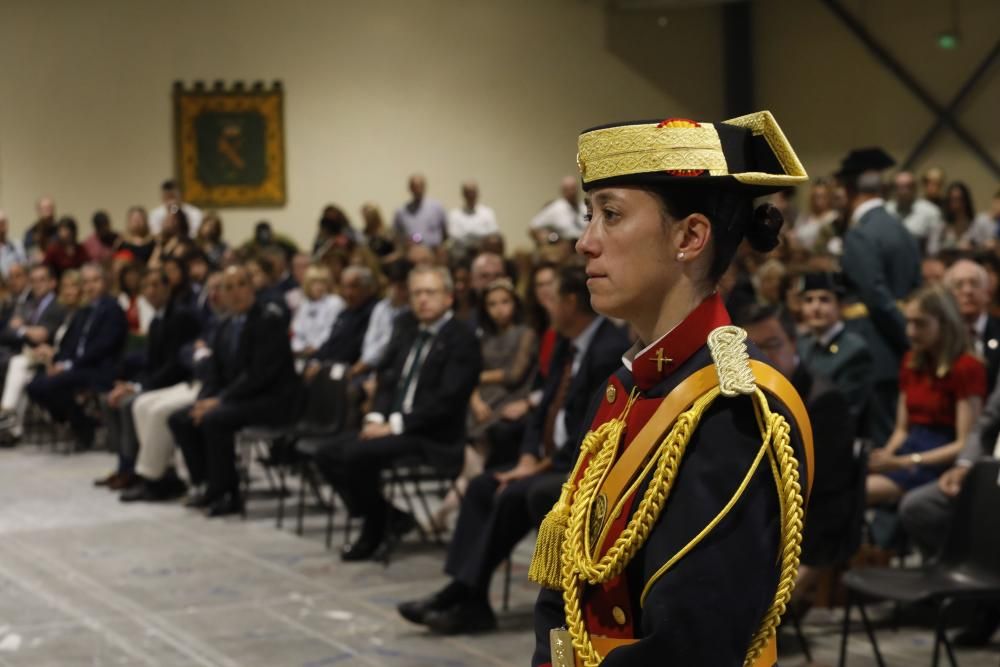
660	360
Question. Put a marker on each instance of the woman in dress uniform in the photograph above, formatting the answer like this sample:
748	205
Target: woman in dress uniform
676	539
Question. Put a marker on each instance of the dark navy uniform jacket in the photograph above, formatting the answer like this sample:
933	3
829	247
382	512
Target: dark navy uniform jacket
705	610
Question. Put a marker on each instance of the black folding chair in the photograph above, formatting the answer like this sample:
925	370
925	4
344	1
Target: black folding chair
968	569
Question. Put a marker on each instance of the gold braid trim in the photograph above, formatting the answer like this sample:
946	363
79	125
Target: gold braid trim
578	566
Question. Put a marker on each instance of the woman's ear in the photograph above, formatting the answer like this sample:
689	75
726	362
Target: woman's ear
692	235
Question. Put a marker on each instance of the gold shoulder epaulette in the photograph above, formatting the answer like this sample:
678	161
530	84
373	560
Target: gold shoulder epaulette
728	346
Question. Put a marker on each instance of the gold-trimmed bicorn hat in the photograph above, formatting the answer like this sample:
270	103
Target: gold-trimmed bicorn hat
749	153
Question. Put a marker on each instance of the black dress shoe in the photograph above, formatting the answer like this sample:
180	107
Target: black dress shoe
154	490
469	617
980	631
416	611
200	501
363	549
226	506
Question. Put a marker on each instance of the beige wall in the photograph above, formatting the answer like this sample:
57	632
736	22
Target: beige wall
830	94
491	89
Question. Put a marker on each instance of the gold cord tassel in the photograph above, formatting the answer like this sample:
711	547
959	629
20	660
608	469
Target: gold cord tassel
546	562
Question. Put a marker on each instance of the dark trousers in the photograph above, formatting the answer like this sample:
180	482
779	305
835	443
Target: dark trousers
121	432
354	466
209	448
57	394
490	525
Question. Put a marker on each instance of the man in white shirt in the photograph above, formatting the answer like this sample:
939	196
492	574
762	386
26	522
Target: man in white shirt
564	216
469	223
171	196
920	217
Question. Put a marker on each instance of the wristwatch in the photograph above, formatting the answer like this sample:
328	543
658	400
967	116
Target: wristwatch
916	459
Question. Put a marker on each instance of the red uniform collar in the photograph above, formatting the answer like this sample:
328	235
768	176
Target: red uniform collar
654	363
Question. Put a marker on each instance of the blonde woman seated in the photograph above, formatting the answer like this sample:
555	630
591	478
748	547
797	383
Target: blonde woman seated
941	390
22	367
319	309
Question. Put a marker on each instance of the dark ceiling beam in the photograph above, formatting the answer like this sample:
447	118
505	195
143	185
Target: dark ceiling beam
952	107
943	115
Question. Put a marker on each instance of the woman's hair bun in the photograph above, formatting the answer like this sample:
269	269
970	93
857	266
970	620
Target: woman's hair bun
764	228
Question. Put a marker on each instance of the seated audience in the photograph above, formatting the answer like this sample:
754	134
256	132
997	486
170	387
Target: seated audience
174	238
173	326
374	233
151	410
927	511
343	345
384	315
969	284
941	388
87	358
314	319
11	251
103	241
830	535
509	348
501	506
430	368
964	230
251	381
65	252
828	349
821	214
137	238
37	319
210	241
21	367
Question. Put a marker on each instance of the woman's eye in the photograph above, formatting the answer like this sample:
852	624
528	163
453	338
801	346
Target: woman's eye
609	214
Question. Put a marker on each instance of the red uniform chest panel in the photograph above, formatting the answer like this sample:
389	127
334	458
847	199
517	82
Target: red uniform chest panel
606	605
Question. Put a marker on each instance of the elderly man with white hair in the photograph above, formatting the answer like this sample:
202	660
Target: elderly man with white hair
969	282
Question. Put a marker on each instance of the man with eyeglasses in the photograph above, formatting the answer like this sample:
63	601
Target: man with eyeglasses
430	368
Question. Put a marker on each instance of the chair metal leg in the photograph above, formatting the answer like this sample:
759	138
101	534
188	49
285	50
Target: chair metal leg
797	626
845	630
506	585
941	636
871	634
304	473
282	477
329	521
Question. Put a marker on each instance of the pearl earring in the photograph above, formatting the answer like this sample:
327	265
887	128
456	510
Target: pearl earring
680	255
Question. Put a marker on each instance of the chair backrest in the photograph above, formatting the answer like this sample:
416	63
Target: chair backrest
974	537
325	402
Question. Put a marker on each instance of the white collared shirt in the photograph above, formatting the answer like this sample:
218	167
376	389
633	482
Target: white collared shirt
831	333
581	344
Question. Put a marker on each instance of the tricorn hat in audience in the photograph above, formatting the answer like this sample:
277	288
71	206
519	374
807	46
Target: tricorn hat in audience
822	280
861	160
748	153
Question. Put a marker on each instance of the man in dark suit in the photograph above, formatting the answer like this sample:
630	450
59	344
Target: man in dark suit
87	358
174	325
969	282
881	264
36	319
343	346
431	367
828	349
250	380
499	507
829	536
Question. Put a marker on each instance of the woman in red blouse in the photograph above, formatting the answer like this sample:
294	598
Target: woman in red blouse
941	390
